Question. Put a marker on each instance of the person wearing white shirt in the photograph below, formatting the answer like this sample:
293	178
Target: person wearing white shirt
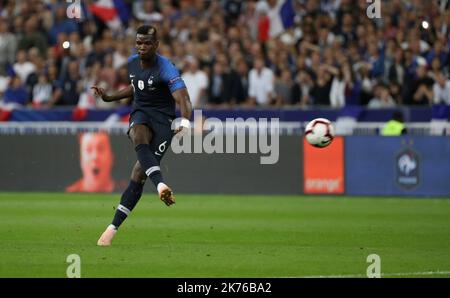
22	67
441	90
261	83
196	82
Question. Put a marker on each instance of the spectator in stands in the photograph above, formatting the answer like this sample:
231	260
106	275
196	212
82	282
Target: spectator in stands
108	73
301	91
382	98
61	23
196	82
397	69
120	55
69	87
219	86
8	45
42	92
441	90
322	86
23	68
395	90
283	88
261	80
16	95
146	12
32	37
239	83
439	52
336	33
338	87
422	86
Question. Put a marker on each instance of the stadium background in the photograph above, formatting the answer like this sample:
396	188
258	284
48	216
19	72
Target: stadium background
321	59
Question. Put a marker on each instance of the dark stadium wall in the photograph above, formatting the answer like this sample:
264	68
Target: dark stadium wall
390	166
52	163
237	173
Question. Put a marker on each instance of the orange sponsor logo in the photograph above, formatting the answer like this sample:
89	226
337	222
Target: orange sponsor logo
323	171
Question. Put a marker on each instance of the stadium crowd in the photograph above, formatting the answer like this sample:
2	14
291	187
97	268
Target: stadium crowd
231	52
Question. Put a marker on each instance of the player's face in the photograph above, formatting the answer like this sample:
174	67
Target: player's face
146	46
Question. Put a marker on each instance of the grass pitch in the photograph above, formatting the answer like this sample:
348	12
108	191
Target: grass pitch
225	236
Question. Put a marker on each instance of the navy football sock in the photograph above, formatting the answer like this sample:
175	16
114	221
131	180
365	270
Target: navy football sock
130	198
149	163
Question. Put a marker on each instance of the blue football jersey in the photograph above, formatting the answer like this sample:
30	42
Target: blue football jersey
153	86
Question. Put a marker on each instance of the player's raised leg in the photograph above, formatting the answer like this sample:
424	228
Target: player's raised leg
141	136
128	201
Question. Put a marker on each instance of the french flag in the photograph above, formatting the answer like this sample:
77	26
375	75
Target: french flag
113	13
279	18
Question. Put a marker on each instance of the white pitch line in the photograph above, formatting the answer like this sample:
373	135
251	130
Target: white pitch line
382	274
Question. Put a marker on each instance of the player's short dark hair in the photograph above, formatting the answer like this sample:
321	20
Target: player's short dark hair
147	30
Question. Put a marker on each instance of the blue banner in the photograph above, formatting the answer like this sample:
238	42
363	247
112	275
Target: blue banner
397	166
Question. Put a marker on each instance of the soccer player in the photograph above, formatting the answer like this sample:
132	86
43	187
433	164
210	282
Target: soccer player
156	86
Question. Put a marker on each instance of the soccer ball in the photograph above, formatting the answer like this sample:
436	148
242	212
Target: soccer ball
319	132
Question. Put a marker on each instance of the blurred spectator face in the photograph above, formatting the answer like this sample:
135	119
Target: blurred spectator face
218	69
21	56
60	12
347	19
16	82
373	51
96	68
3	26
415	46
96	157
193	64
272	3
31	25
286	76
408	57
259	64
33	54
315	59
242	67
394	89
18	24
441	79
108	60
233	34
360	31
421	71
43	79
256	49
73	68
384	93
398	56
323	34
52	71
148	6
436	64
438	46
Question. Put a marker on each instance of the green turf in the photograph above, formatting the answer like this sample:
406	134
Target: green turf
224	236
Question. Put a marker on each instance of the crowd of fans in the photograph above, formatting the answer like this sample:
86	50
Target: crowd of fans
230	53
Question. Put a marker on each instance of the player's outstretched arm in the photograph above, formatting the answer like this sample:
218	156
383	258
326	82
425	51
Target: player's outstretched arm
181	97
121	94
